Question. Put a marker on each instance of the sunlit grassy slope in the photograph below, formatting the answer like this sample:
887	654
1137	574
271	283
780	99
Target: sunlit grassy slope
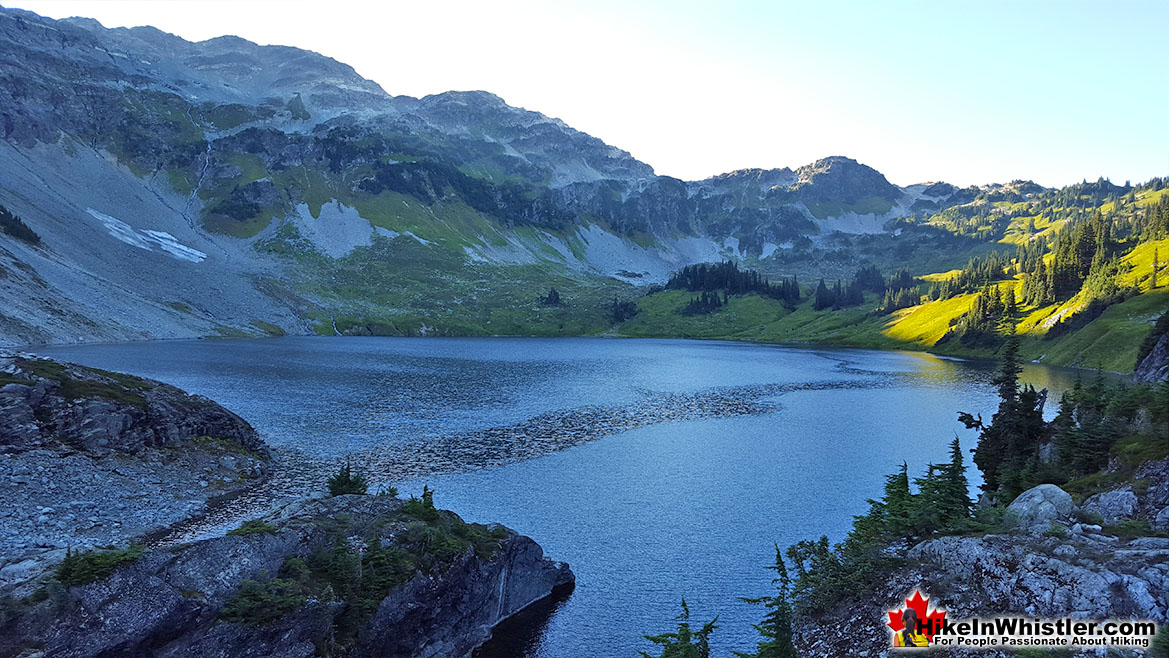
1109	342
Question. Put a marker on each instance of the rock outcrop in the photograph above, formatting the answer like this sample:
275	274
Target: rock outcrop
1086	576
349	575
67	407
1154	366
91	458
1112	506
1047	565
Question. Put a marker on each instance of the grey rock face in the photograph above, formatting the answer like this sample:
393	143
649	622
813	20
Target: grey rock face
64	406
1154	505
169	602
1112	506
1155	366
1082	576
1035	509
842	179
1044	578
1161	520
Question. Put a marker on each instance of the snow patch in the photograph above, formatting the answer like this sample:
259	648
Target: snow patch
851	222
338	230
420	240
147	239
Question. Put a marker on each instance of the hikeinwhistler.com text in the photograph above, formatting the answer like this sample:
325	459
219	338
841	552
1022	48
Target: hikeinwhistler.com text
1008	631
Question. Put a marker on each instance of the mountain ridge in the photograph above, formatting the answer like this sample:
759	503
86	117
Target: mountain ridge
281	173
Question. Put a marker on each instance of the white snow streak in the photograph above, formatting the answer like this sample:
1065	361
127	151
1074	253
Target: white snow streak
147	239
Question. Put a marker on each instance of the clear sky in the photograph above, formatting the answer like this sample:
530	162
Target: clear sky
966	92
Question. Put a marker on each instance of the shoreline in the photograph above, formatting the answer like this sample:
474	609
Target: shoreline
907	348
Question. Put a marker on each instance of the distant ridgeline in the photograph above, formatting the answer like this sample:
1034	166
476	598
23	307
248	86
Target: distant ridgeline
1077	273
323	204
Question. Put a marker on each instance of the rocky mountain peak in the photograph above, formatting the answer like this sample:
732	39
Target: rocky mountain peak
844	179
765	177
225	69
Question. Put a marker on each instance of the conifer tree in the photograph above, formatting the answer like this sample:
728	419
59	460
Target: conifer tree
955	487
824	297
684	643
1009	446
927	512
776	628
898	503
345	482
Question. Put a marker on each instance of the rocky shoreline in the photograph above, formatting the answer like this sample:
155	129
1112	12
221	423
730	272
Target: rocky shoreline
92	463
345	576
1052	563
92	458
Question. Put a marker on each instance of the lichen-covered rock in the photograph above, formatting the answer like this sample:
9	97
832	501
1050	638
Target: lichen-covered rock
359	575
1161	520
1085	576
1036	577
1112	506
1154	501
1038	507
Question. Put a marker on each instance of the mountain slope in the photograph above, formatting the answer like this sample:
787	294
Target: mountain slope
223	188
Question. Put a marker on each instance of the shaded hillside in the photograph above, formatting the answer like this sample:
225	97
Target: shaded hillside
160	188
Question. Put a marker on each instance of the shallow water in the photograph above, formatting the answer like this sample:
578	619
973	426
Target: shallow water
656	468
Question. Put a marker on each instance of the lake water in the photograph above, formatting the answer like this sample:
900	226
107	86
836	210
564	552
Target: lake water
657	468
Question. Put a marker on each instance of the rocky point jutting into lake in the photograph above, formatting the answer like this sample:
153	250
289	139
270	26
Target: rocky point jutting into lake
102	461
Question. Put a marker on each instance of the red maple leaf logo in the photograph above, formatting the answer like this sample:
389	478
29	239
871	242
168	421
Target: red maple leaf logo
920	605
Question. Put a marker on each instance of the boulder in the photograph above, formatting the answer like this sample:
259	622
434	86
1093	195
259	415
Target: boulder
1113	506
1038	507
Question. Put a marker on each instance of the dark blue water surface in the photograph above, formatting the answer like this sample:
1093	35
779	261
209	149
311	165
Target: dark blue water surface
645	516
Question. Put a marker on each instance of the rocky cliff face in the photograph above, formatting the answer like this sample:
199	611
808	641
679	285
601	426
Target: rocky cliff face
48	403
351	575
1154	367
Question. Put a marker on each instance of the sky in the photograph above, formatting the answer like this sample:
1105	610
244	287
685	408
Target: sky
965	92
